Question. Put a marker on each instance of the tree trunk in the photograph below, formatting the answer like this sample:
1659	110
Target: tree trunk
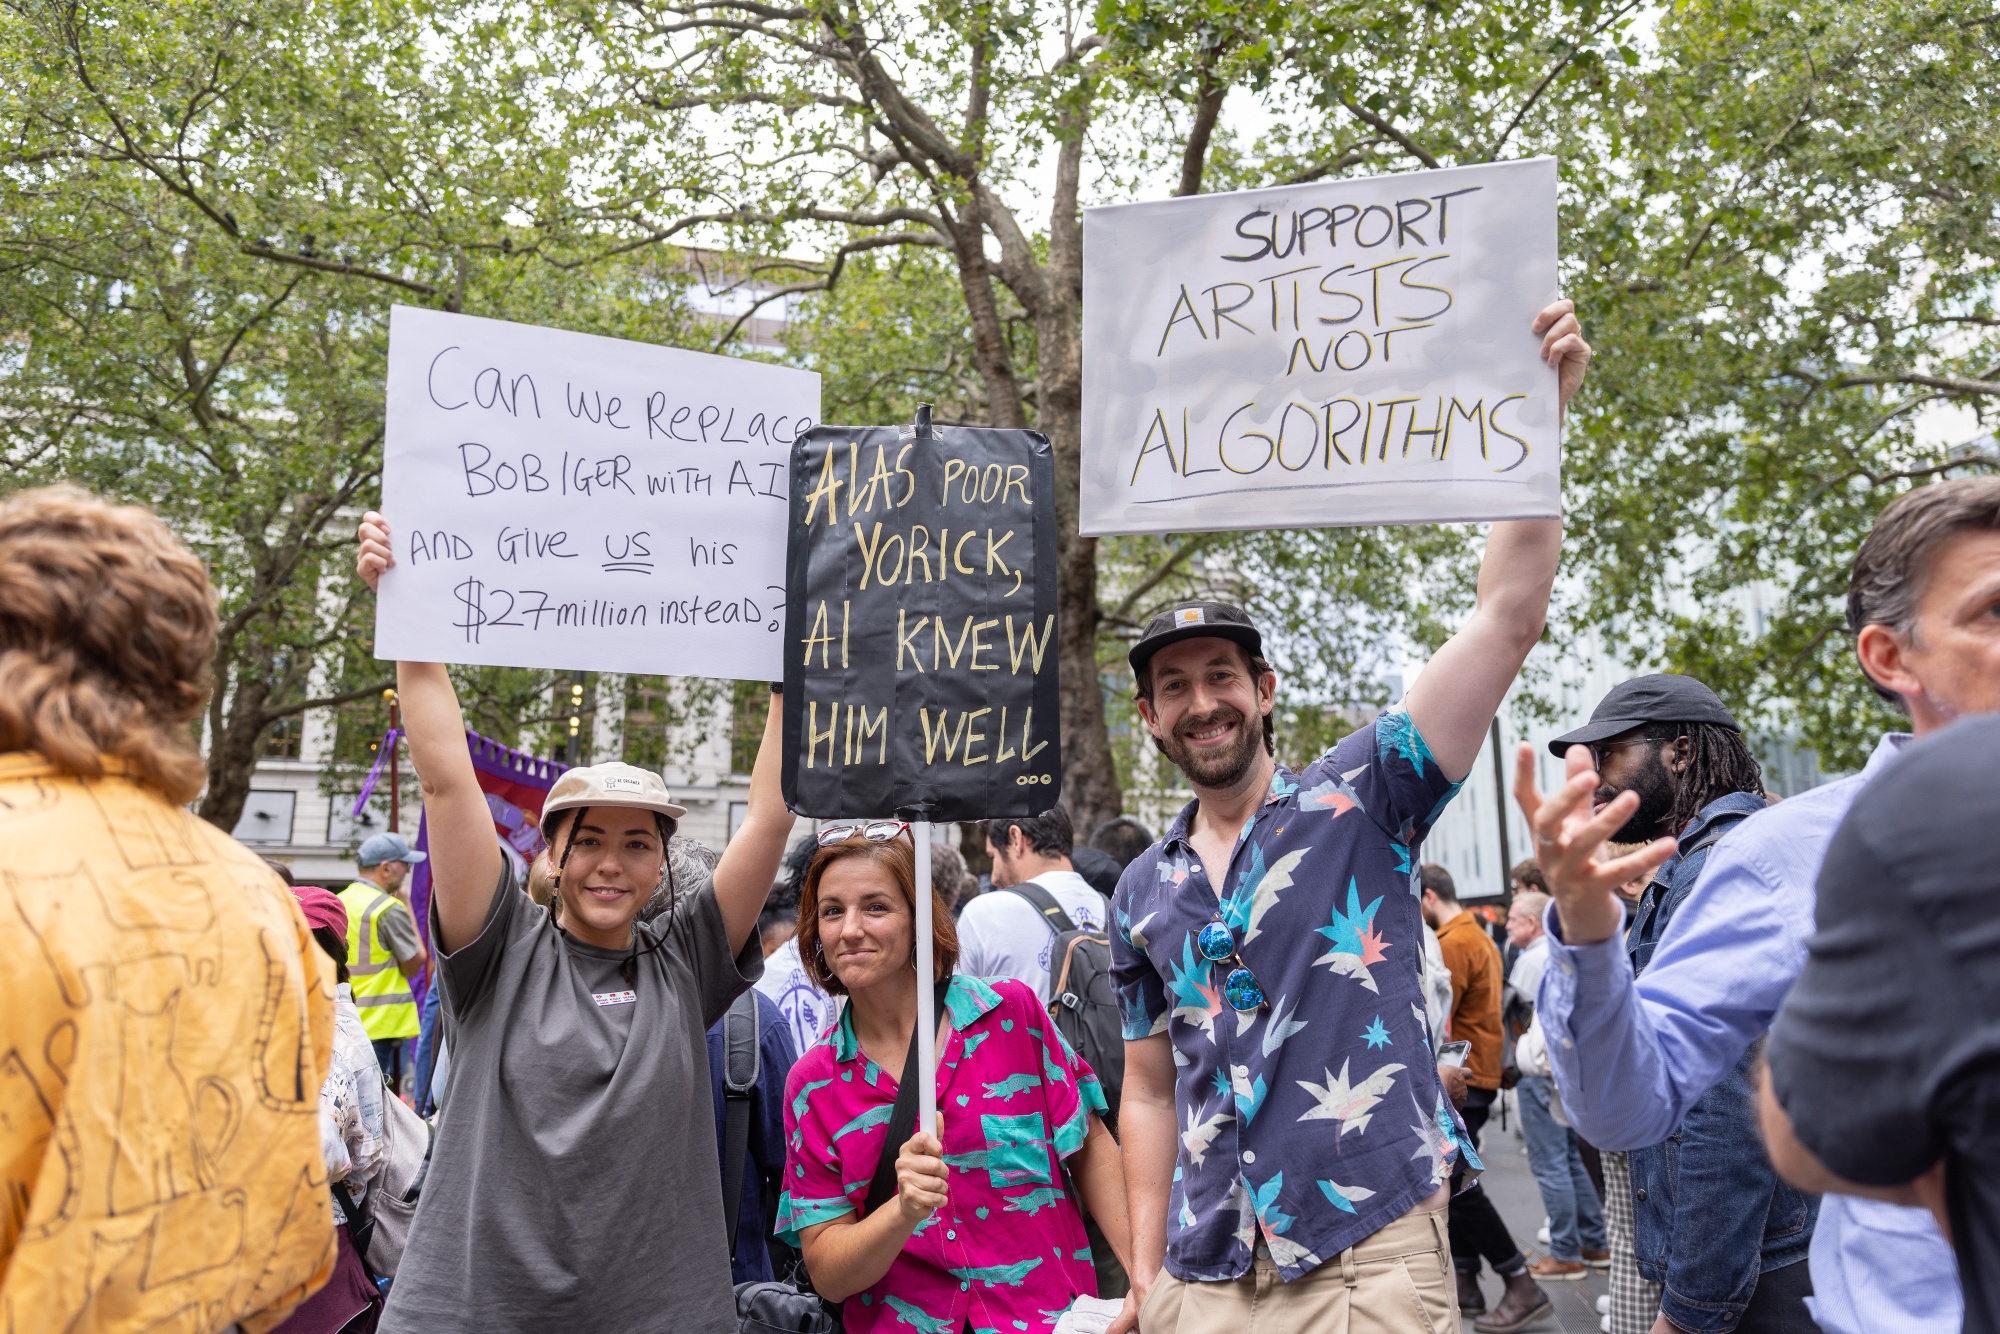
1090	772
236	727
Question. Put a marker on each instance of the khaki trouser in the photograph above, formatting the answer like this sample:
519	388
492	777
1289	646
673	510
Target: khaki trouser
1395	1282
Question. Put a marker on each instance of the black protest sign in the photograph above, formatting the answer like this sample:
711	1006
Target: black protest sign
920	626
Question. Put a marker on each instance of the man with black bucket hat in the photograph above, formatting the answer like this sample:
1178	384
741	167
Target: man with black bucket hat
1287	1134
1719	1242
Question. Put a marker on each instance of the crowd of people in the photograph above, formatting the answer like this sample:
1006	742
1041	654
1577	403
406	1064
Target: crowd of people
1231	1077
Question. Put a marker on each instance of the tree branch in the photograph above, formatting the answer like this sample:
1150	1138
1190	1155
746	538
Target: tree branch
1403	141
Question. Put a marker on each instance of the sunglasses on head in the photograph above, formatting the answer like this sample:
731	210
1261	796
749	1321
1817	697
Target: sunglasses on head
875	831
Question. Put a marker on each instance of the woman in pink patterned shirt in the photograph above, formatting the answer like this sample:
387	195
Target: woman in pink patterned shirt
982	1231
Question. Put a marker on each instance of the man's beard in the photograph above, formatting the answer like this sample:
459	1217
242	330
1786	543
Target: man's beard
1215	769
1656	803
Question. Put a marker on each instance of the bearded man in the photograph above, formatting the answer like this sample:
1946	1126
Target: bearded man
1268	958
1719	1242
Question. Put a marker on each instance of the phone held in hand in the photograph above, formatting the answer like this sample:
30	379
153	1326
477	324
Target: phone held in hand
1453	1053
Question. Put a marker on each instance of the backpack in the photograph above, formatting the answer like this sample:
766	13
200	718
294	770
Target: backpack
1081	999
392	1199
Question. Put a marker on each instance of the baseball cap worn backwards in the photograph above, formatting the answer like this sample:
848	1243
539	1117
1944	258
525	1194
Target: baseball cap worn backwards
1662	697
613	784
379	848
1194	620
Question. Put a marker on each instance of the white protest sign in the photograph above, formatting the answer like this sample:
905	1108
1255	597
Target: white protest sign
559	499
1344	352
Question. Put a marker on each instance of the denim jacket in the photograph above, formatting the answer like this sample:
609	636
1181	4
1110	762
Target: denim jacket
1709	1214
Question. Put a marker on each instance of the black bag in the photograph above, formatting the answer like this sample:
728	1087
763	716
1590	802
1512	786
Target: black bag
791	1306
740	1062
1081	999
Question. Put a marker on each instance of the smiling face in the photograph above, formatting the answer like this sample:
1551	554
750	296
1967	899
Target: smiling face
1206	709
867	929
613	868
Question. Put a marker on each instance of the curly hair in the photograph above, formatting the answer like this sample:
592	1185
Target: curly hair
899	859
107	631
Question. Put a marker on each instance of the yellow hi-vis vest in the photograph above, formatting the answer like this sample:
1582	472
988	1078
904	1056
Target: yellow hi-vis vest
381	992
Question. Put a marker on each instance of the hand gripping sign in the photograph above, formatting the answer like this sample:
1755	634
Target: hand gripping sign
920	640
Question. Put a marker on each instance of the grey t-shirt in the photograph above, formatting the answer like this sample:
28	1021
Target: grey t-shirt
399	931
573	1185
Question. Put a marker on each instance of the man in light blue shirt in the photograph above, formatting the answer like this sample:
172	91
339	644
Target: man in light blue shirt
1632	1055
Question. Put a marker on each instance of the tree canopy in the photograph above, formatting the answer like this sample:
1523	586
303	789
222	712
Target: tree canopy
1778	220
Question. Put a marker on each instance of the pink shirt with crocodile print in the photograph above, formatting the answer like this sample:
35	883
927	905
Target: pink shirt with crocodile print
1008	1251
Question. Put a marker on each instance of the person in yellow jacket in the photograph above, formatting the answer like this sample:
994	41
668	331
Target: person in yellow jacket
383	949
166	1019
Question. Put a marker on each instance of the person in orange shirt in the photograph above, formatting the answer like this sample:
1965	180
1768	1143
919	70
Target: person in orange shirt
168	1019
1475	1225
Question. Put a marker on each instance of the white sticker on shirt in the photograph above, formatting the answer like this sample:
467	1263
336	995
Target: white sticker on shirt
604	998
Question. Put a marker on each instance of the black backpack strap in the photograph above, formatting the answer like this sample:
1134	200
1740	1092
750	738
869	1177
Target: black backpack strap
1045	904
902	1124
739	1081
360	1230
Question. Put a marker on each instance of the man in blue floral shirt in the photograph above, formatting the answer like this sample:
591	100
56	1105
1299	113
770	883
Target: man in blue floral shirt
1286	1135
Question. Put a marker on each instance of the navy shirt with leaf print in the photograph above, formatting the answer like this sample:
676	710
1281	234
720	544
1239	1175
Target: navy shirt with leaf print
1316	1121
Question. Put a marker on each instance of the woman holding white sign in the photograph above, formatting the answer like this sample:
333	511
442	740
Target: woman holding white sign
553	1202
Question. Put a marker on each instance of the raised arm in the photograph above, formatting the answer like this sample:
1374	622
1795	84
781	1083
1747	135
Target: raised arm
750	863
465	859
1455	697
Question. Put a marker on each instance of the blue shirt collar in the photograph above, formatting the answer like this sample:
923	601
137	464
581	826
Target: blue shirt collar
1888	748
1283	784
1730	803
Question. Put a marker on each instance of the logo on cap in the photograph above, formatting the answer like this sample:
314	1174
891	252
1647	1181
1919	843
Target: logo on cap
618	783
1188	616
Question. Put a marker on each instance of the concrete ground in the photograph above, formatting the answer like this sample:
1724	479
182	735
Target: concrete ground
1512	1188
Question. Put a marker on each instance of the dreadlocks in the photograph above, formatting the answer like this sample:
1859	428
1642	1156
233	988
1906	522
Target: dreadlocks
1719	762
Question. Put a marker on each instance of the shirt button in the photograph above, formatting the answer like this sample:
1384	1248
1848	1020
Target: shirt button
951	1236
963	1287
1569	969
1640	1193
1249	1155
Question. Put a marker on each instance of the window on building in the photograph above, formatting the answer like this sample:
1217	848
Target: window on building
283	738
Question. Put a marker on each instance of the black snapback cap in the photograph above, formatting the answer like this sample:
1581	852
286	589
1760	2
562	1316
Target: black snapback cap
1192	620
1660	698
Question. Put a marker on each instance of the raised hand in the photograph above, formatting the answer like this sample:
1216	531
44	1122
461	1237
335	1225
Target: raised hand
1563	347
375	555
920	1177
1569	845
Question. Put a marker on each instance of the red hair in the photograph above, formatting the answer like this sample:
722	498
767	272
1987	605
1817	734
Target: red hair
899	859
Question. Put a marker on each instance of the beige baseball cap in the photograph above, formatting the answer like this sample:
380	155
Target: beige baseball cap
611	784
